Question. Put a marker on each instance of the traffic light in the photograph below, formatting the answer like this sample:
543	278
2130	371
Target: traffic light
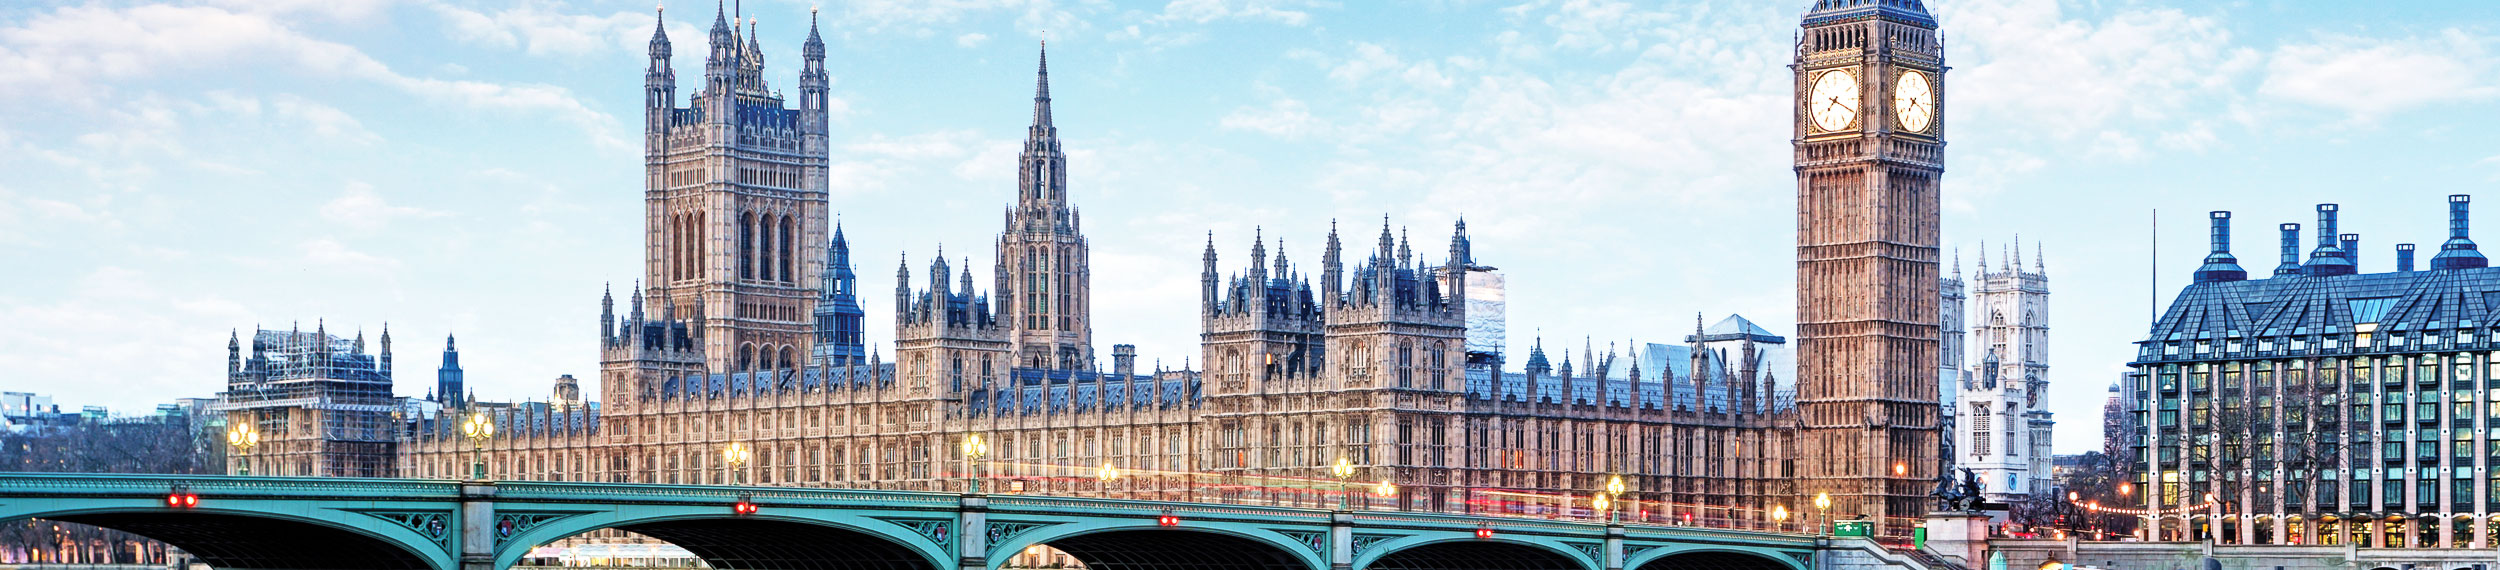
745	506
1484	532
1168	519
181	497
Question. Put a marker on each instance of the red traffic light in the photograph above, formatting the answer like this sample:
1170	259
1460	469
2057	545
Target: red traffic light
181	497
1168	520
745	506
1484	533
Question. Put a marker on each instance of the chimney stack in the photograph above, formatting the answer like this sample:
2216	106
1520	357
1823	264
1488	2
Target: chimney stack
2291	251
2352	250
2459	252
2219	264
2404	257
2328	259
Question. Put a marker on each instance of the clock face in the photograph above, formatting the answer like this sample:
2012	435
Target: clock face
1833	102
1914	102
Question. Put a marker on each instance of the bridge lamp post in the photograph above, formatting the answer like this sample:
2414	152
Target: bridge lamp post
243	437
1614	494
1599	502
1779	517
1344	469
1385	490
478	428
974	451
1105	476
736	455
1823	510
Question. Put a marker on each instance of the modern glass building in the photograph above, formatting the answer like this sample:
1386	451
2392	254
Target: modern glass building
2322	405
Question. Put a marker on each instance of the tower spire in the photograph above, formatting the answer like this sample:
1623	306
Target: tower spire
1041	90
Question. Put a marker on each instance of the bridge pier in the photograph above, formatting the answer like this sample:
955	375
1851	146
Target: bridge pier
1614	546
1341	540
973	532
477	525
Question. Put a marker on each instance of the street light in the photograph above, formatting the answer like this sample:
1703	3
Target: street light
1614	492
974	450
1105	476
1344	469
243	438
1823	509
1779	517
1600	503
478	427
1385	490
736	455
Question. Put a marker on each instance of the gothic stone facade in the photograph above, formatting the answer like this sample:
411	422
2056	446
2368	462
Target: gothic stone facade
1367	365
1869	144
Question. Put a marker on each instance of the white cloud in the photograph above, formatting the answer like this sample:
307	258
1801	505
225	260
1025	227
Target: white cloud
2371	78
972	40
2040	70
85	49
1283	118
90	334
329	252
1205	11
361	208
324	120
540	31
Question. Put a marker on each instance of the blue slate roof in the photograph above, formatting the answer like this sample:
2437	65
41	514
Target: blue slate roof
2280	308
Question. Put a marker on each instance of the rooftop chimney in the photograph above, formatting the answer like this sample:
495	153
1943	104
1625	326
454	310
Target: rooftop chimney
2291	251
2352	250
2328	259
2219	264
2459	252
2404	257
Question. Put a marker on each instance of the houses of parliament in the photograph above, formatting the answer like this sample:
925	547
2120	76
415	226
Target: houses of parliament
744	331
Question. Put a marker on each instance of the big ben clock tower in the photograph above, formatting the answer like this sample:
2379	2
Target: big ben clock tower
1869	144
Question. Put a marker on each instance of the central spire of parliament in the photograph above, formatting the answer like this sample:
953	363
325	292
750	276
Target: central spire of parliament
1045	282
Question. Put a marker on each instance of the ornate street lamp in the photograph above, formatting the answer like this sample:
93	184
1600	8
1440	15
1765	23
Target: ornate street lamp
478	428
1599	502
1614	493
736	455
1779	517
1823	510
1344	469
974	451
1385	490
243	437
1105	476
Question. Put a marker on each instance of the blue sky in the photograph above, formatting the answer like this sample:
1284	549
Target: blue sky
170	172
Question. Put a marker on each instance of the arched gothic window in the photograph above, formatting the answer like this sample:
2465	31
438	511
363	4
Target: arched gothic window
746	246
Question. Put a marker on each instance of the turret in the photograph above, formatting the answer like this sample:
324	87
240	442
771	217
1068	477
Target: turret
2291	251
659	82
449	380
2328	259
234	353
814	83
1207	300
384	360
2404	257
1332	271
2220	265
607	317
2459	252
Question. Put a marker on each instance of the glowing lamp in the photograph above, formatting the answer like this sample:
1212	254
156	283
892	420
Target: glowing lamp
1484	532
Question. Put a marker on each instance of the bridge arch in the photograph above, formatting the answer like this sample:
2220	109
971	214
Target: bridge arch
791	538
1711	558
1467	552
241	535
1126	544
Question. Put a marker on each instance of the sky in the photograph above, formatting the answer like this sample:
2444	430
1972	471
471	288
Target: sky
171	173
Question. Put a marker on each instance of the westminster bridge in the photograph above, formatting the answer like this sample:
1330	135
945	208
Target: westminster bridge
302	522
